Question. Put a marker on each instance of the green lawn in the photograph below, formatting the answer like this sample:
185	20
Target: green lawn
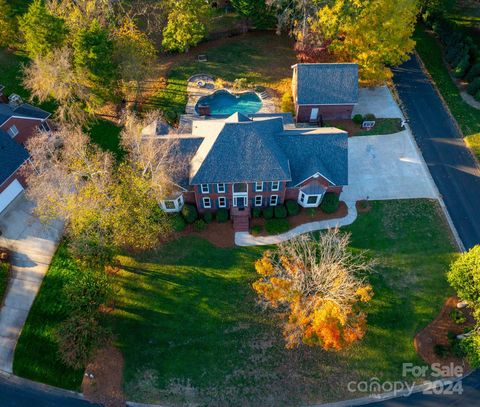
262	58
466	14
36	351
467	116
4	268
382	126
190	330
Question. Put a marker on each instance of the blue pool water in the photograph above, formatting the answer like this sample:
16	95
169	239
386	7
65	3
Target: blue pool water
225	103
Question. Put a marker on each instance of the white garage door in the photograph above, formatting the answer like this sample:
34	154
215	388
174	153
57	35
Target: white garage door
9	194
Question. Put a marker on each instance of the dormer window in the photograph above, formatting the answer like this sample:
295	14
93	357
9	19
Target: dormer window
275	185
13	131
258	186
204	188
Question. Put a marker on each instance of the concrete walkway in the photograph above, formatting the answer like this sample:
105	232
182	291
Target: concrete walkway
246	239
32	245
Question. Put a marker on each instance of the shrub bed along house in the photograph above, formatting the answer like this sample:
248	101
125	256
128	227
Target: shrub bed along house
293	208
178	223
330	202
208	217
268	212
189	213
222	215
280	211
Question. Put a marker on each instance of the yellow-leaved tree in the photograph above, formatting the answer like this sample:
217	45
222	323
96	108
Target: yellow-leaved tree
319	286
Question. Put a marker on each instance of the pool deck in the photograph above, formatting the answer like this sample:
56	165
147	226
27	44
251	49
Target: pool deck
195	92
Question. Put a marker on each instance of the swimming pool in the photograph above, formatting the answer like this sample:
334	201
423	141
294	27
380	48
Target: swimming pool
225	103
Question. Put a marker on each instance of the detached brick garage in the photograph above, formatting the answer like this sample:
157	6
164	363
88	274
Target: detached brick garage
324	91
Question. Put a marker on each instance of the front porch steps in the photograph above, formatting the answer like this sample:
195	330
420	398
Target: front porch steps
241	219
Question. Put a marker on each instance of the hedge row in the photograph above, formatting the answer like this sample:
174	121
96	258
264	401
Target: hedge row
190	215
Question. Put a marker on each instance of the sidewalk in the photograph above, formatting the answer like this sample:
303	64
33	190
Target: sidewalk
32	245
246	239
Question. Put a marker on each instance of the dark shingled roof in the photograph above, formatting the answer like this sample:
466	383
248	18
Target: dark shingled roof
331	84
12	156
325	153
286	116
187	146
24	110
241	152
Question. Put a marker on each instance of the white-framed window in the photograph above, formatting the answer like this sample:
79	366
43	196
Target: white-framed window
172	205
273	200
204	188
259	200
302	197
207	202
13	131
258	186
221	188
222	202
275	185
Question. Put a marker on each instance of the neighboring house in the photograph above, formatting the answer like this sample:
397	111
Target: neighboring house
324	91
18	121
242	162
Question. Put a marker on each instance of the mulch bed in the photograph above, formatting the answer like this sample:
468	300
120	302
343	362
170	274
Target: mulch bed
363	206
436	333
106	386
305	217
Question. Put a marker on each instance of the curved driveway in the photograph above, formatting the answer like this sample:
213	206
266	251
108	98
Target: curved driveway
452	165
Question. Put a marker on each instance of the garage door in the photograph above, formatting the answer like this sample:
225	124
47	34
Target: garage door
9	194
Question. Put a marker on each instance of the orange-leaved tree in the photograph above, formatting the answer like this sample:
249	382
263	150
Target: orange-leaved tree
321	288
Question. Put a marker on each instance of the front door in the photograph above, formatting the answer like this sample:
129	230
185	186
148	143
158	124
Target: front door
314	114
240	201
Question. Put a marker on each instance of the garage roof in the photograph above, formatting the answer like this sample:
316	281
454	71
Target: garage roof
12	156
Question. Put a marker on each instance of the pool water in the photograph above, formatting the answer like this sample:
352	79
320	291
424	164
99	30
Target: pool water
225	103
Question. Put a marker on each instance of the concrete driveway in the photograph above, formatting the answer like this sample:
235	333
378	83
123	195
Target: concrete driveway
386	167
379	101
33	246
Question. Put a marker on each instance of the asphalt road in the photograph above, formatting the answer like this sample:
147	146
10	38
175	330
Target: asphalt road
23	394
470	397
453	168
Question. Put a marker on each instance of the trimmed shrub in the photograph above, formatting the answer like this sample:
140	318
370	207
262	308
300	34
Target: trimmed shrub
369	117
276	226
208	217
255	230
473	73
240	84
268	212
293	208
222	215
441	351
256	212
358	118
462	67
474	86
199	225
189	213
280	211
330	202
286	104
178	223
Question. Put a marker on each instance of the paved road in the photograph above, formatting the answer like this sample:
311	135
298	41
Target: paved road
451	164
13	394
469	398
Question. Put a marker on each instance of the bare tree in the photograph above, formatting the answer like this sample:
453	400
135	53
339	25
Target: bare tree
319	284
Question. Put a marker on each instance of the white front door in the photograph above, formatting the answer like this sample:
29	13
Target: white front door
9	194
314	114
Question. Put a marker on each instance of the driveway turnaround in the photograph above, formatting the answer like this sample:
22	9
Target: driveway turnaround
32	245
379	101
386	167
453	168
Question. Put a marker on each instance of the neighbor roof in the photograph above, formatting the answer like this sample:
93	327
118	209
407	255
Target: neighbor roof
12	156
24	110
328	84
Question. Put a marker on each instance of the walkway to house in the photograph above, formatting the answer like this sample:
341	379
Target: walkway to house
32	245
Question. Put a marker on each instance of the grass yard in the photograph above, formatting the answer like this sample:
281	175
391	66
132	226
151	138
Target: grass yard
466	13
4	271
36	351
467	116
190	330
248	56
382	127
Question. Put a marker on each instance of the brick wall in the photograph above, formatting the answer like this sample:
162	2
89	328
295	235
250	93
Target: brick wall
26	128
328	112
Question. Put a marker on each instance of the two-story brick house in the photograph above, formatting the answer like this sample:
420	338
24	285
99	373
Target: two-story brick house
242	162
18	122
